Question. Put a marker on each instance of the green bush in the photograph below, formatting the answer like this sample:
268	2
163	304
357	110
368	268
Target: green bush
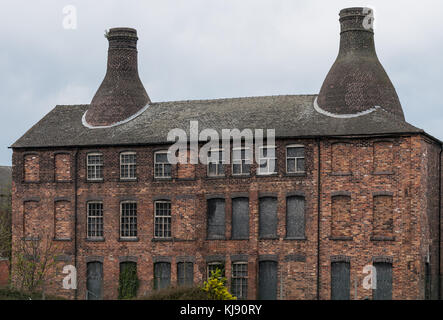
13	294
128	281
178	293
215	287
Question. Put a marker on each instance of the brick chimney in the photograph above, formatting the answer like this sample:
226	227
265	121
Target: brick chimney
357	81
121	94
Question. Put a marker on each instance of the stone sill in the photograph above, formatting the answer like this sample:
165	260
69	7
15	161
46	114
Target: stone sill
268	238
239	239
63	181
216	239
62	239
159	179
296	238
301	174
162	239
382	238
128	180
95	239
341	174
383	173
342	238
95	181
128	239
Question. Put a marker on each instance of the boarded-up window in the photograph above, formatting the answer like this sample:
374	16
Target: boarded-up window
31	220
341	158
63	220
162	275
31	168
340	281
383	157
383	223
295	217
94	281
216	219
268	217
62	167
240	218
384	281
341	216
267	280
185	273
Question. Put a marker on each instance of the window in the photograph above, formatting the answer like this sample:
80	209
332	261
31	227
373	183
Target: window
295	217
341	158
267	161
240	218
162	167
216	219
128	281
31	219
239	286
162	219
128	165
241	161
383	222
95	166
340	281
216	163
213	266
341	216
384	281
383	157
162	275
295	159
185	273
95	220
31	168
128	220
268	217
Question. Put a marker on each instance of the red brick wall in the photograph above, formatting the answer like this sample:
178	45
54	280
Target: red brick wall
62	167
31	168
345	169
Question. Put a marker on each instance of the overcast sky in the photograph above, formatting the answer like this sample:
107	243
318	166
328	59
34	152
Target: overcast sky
204	49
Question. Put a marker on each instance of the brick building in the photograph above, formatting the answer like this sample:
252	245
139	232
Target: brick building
354	185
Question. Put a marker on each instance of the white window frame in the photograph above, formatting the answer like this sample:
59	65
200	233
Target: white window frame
95	166
295	158
134	164
88	216
162	164
241	162
162	217
267	158
121	220
217	163
246	278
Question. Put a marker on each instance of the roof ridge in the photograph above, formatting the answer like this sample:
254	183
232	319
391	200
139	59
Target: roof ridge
236	98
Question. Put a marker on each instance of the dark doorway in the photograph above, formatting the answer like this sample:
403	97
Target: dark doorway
94	281
267	280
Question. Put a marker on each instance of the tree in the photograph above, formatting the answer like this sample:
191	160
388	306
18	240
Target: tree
5	222
34	261
215	287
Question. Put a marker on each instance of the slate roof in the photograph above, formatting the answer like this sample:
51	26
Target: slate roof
289	115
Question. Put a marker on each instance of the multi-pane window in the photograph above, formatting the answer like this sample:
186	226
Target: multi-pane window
185	273
267	161
241	161
162	167
239	286
162	275
162	219
95	220
216	219
295	217
95	166
128	165
128	220
216	163
295	159
213	266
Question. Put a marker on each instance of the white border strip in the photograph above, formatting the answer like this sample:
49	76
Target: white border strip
135	115
343	116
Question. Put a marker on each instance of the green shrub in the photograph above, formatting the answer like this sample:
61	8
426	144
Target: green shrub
215	287
178	293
